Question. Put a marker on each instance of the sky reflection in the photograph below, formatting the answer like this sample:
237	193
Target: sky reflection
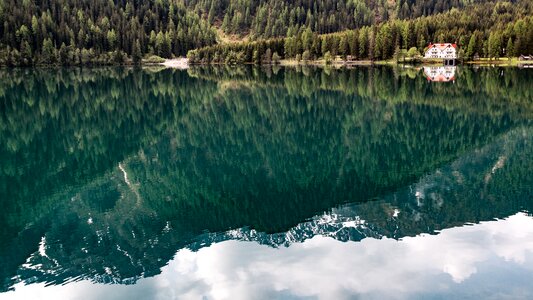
487	260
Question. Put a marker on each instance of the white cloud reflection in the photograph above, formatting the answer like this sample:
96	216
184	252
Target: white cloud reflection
491	259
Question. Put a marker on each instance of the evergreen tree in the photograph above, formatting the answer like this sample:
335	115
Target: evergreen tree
48	53
63	54
509	51
268	56
26	55
137	54
471	49
494	45
276	58
343	47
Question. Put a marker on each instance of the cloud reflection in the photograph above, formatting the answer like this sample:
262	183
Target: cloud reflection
450	264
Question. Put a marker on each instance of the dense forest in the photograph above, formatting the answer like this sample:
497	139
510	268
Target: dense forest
275	18
484	30
113	32
99	32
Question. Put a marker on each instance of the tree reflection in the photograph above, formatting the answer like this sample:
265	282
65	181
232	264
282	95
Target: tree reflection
212	149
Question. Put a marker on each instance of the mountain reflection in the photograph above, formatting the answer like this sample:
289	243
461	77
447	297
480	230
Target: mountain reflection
106	173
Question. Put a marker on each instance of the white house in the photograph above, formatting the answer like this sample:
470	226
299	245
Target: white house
446	51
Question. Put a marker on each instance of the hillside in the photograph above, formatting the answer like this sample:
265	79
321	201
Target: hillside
79	32
492	30
99	32
275	18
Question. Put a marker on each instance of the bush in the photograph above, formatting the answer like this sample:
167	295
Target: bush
154	59
216	58
275	58
306	56
267	58
255	57
119	57
192	56
327	58
413	52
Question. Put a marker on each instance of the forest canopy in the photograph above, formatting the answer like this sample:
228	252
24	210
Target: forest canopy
100	32
505	31
81	32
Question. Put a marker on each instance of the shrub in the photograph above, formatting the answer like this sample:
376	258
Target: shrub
275	58
328	59
192	56
413	52
306	56
154	59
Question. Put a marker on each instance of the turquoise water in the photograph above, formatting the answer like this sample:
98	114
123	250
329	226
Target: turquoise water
266	183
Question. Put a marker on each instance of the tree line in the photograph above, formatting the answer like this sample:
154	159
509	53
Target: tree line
484	30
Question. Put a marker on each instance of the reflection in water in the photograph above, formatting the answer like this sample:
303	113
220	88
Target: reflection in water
472	261
440	74
457	193
106	173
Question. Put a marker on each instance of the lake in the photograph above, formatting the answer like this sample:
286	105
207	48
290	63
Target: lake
266	183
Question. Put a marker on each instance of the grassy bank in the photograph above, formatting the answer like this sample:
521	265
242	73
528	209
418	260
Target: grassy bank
502	62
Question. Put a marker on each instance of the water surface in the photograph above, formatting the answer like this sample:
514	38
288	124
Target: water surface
266	183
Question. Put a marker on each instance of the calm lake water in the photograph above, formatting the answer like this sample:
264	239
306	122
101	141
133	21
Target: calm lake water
266	183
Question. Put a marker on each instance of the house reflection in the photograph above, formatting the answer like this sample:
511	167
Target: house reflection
440	74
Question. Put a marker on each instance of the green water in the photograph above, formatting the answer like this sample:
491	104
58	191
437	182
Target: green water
111	175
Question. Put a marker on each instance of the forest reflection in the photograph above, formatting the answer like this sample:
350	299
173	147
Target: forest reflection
260	150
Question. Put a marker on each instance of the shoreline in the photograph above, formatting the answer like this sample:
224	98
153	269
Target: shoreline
502	62
182	63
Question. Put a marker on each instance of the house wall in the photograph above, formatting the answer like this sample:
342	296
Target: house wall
435	52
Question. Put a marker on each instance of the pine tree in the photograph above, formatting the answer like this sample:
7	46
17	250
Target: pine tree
275	58
471	49
268	56
136	53
160	44
111	39
48	54
494	45
343	47
325	45
26	55
510	48
363	43
307	39
63	54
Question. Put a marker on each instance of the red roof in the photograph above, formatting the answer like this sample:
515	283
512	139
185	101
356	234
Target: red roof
442	46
